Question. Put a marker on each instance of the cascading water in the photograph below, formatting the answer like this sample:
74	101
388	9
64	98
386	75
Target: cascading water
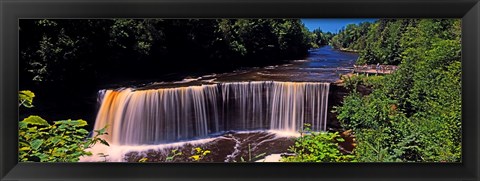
143	117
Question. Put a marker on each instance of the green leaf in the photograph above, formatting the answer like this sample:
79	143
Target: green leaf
43	157
82	131
36	120
24	148
25	98
260	155
23	143
56	140
76	123
104	142
22	124
36	144
101	131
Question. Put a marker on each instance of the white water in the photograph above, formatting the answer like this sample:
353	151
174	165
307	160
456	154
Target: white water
165	115
116	153
271	158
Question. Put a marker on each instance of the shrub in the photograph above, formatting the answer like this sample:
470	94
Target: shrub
317	147
352	82
62	141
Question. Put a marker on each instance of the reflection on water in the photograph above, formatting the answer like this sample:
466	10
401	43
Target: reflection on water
322	65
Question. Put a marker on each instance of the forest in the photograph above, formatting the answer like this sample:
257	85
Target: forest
412	115
58	50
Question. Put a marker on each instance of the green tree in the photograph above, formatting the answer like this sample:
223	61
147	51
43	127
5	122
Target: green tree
415	115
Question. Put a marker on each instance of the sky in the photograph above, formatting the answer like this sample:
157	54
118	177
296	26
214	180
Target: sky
332	25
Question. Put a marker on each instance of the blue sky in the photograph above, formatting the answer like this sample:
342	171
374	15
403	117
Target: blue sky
332	25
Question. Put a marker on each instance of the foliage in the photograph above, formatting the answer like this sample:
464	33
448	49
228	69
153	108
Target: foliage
415	113
383	42
143	160
351	37
250	158
199	154
352	82
372	146
64	141
59	50
317	147
371	111
174	153
25	98
378	42
321	38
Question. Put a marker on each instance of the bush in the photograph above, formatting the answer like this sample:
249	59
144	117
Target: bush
371	111
352	82
64	141
317	147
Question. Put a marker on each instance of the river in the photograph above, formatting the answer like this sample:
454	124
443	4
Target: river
252	111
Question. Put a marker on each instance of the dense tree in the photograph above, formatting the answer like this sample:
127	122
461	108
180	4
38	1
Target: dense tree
322	38
383	39
57	50
415	113
352	37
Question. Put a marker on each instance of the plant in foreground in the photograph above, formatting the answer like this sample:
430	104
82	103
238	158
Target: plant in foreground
174	153
62	141
250	159
199	154
317	147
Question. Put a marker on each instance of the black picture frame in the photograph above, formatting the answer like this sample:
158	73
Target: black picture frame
11	11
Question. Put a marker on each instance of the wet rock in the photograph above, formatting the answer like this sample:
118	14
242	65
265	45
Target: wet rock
231	147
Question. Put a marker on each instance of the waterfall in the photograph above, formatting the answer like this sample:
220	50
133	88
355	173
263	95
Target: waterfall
136	117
